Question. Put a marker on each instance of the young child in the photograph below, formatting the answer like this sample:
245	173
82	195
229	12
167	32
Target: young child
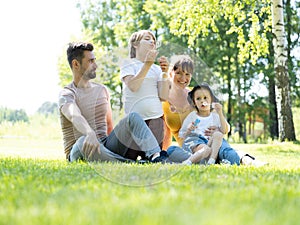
145	83
208	114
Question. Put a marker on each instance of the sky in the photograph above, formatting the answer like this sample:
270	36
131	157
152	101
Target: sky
34	33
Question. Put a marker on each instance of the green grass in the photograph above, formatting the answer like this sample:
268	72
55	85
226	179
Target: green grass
39	191
37	186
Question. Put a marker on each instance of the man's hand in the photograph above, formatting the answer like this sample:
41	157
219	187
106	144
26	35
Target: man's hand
91	146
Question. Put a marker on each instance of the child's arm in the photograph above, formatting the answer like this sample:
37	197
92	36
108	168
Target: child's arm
134	82
187	127
224	124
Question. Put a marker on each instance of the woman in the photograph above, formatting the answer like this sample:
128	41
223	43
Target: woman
176	109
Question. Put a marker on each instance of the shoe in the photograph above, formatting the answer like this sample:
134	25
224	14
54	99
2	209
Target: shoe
162	158
187	162
211	161
251	161
258	163
142	161
225	161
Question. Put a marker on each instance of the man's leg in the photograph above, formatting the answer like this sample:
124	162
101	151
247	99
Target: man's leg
105	154
132	133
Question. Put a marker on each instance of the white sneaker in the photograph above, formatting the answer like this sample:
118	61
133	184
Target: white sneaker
211	161
225	162
258	163
246	160
187	162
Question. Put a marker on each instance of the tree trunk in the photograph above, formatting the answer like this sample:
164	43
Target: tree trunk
282	91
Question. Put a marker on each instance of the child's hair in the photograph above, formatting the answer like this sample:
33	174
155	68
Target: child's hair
135	38
184	62
203	86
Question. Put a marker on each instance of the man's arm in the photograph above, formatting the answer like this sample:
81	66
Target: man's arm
73	114
109	120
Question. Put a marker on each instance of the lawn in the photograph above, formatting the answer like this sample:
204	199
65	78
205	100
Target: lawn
37	186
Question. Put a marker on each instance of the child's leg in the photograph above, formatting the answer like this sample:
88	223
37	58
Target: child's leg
198	147
200	152
216	142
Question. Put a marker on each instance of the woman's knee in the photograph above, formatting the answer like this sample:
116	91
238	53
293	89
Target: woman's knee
230	155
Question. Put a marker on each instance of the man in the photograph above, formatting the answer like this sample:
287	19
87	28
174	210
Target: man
86	117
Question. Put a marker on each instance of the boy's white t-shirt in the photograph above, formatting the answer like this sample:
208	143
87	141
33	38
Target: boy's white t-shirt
145	101
212	120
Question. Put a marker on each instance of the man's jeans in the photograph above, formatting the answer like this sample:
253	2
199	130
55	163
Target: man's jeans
130	133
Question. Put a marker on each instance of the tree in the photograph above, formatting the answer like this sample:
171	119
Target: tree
282	90
48	108
231	35
292	18
111	23
13	115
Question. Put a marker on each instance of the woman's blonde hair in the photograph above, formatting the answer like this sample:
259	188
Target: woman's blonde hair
135	38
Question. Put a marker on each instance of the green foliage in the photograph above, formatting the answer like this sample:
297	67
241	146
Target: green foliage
296	119
48	108
64	73
292	21
13	115
201	19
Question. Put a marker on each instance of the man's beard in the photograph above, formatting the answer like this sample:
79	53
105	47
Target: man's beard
89	75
